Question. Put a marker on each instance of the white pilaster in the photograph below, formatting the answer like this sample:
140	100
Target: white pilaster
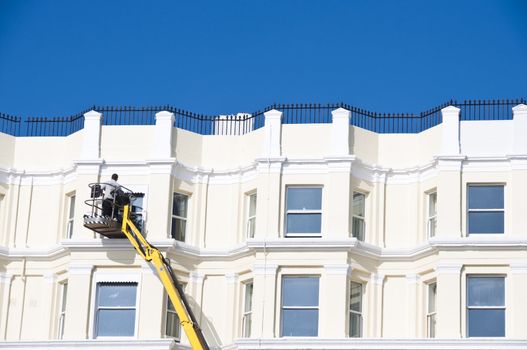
162	141
333	299
92	136
450	128
264	296
448	300
340	132
273	134
519	114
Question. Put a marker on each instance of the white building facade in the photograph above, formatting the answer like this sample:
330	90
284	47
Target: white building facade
322	227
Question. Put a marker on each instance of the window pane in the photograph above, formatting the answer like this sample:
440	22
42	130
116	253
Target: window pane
355	325
172	328
72	206
432	293
304	198
358	204
358	229
248	297
299	323
356	297
485	197
432	204
115	323
252	204
300	291
486	323
117	294
486	291
486	222
304	223
179	205
178	229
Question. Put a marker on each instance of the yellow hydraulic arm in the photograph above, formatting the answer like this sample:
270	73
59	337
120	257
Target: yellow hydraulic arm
174	290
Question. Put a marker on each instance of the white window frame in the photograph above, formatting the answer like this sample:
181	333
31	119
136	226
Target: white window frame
247	314
113	277
282	307
431	221
361	219
251	218
62	310
484	184
354	312
486	307
431	320
306	211
177	217
70	222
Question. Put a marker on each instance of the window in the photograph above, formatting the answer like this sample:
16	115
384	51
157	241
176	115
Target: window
485	209
62	311
136	210
485	306
431	311
432	214
71	215
179	216
247	310
251	215
303	211
115	309
172	327
358	215
355	330
299	306
173	324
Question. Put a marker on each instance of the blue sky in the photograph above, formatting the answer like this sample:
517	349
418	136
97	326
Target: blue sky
60	57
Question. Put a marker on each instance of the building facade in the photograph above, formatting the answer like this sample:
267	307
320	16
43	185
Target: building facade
297	227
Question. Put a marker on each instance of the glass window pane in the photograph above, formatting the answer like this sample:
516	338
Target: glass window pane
355	325
304	223
432	204
179	205
356	297
358	204
432	293
300	291
485	197
299	323
252	204
304	198
248	297
486	291
172	327
117	294
115	323
72	207
178	229
358	229
486	323
486	222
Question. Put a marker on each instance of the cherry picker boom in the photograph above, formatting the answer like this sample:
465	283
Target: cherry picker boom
115	226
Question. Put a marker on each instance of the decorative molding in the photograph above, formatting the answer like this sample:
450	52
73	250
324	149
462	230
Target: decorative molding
412	278
519	268
196	277
231	278
338	269
6	278
444	268
80	270
260	268
50	277
131	343
377	279
316	343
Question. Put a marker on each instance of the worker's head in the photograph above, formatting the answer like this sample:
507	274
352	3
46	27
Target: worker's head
115	177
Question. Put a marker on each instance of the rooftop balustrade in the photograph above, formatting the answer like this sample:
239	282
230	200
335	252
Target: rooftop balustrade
243	123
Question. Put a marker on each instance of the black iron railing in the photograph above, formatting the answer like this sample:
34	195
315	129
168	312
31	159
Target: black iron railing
241	123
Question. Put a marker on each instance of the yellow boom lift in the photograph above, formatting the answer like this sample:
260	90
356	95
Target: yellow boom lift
122	223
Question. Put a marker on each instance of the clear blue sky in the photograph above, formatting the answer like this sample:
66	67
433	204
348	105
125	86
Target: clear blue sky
60	57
